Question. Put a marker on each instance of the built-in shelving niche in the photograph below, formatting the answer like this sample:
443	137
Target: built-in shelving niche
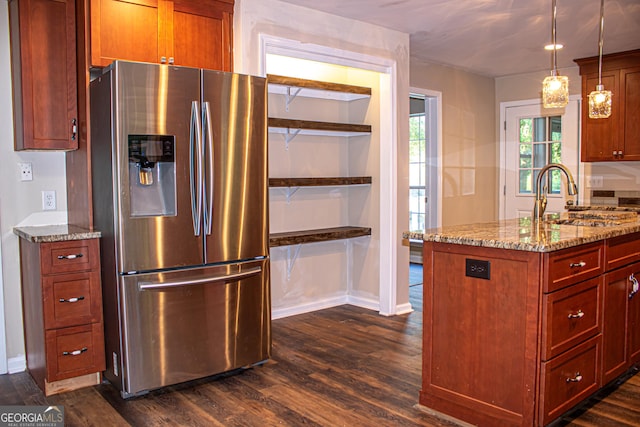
291	88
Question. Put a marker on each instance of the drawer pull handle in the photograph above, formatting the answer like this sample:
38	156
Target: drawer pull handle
634	286
74	129
575	379
74	299
577	315
72	256
74	352
577	264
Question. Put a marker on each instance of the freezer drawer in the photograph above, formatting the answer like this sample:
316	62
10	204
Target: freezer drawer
190	324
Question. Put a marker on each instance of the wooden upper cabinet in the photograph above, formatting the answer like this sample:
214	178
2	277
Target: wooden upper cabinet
127	30
202	34
630	100
600	136
43	57
616	138
181	32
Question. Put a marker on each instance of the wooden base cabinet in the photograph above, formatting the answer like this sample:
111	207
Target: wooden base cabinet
621	322
511	337
480	348
519	338
62	306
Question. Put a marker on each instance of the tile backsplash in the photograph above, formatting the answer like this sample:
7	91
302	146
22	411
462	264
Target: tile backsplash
620	198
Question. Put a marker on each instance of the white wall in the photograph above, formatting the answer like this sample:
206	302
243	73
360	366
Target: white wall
619	176
254	18
20	202
469	144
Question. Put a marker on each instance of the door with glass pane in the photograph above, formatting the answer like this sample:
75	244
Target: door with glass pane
417	164
535	137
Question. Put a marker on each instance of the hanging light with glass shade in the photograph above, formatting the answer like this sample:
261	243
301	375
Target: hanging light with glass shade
600	99
555	88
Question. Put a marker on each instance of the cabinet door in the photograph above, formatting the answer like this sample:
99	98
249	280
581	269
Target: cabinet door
199	33
614	331
181	32
44	74
630	100
633	314
75	351
71	299
600	136
127	30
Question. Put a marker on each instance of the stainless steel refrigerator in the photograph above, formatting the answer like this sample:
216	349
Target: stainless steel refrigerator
179	167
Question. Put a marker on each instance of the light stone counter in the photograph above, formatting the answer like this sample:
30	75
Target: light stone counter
523	235
54	233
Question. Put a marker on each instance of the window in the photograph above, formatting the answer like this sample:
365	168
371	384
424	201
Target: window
417	163
540	143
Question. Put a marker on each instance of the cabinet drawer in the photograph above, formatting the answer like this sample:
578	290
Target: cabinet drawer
71	299
74	351
570	316
569	378
69	256
572	265
622	250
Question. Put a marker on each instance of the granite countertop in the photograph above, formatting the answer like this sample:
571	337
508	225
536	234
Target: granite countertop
54	233
603	208
524	235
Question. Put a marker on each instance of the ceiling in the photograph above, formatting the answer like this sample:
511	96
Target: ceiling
497	37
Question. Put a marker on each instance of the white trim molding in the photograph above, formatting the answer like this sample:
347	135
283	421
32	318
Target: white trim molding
388	122
434	153
17	364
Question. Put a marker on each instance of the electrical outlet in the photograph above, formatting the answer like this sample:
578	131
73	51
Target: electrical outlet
49	200
595	181
26	173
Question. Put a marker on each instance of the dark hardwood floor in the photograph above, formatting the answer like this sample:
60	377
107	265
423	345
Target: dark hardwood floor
343	366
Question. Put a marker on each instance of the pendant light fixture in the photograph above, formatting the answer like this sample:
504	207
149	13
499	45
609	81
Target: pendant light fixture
600	99
555	88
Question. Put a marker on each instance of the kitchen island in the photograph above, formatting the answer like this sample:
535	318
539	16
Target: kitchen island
522	320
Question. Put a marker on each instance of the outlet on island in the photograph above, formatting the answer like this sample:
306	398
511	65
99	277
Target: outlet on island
480	269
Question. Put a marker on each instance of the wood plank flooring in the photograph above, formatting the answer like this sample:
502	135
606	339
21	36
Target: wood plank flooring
343	366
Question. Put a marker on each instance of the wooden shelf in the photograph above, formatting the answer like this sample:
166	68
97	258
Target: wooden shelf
309	127
315	89
319	182
318	235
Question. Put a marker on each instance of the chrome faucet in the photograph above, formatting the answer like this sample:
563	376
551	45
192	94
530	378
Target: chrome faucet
541	196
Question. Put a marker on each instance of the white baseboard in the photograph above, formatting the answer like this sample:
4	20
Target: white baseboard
308	307
367	303
17	364
404	308
364	302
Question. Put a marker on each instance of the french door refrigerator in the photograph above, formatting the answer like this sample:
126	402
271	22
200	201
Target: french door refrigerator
179	168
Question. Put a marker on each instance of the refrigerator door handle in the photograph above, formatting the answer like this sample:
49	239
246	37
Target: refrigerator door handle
195	167
208	144
223	277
